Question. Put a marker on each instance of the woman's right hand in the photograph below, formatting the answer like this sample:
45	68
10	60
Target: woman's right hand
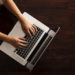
18	42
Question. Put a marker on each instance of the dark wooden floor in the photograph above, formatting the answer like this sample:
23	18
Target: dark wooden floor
60	55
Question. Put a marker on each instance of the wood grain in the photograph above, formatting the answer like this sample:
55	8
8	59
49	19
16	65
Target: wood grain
60	55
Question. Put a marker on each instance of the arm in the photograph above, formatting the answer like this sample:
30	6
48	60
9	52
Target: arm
26	26
3	36
11	6
18	42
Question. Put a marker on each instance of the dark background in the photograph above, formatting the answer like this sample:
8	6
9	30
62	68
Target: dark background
60	55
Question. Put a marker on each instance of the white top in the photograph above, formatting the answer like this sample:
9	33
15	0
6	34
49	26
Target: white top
1	2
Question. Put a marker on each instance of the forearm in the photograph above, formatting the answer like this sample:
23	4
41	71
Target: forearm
11	6
3	37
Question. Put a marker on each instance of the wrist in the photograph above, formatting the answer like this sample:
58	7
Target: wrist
20	16
7	38
4	37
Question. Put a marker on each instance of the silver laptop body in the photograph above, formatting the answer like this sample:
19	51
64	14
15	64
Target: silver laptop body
37	45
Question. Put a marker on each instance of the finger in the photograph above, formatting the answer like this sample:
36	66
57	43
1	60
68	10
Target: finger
32	31
22	45
28	32
34	27
21	38
24	42
18	46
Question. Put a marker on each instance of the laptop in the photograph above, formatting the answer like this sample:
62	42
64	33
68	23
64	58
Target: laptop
30	55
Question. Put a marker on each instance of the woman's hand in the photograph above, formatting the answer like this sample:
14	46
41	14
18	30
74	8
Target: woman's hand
28	28
18	42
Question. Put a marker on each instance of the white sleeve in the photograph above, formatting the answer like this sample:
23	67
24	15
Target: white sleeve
1	2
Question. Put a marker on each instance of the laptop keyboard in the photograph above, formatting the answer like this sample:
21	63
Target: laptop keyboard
31	42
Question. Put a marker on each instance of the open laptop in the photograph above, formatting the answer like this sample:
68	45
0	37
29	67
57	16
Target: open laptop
30	55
